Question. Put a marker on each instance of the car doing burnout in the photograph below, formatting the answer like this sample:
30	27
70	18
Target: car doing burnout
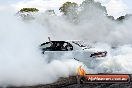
71	46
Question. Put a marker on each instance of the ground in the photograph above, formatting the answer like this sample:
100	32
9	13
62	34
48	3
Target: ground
71	82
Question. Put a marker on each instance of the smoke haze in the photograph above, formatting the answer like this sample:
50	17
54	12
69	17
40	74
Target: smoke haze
21	61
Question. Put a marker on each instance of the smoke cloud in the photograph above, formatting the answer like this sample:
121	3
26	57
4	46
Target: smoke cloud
21	61
93	26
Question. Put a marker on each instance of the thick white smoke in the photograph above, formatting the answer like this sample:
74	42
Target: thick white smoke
94	26
21	61
117	61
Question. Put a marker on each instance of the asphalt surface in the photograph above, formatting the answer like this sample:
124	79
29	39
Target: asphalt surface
71	82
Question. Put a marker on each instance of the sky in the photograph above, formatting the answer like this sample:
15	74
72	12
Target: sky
7	1
129	4
114	7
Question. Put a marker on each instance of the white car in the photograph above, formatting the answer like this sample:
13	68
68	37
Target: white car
73	46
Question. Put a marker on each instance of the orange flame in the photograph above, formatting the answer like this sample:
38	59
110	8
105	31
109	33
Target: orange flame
81	71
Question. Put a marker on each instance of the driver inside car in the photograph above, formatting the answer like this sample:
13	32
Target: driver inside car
58	46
